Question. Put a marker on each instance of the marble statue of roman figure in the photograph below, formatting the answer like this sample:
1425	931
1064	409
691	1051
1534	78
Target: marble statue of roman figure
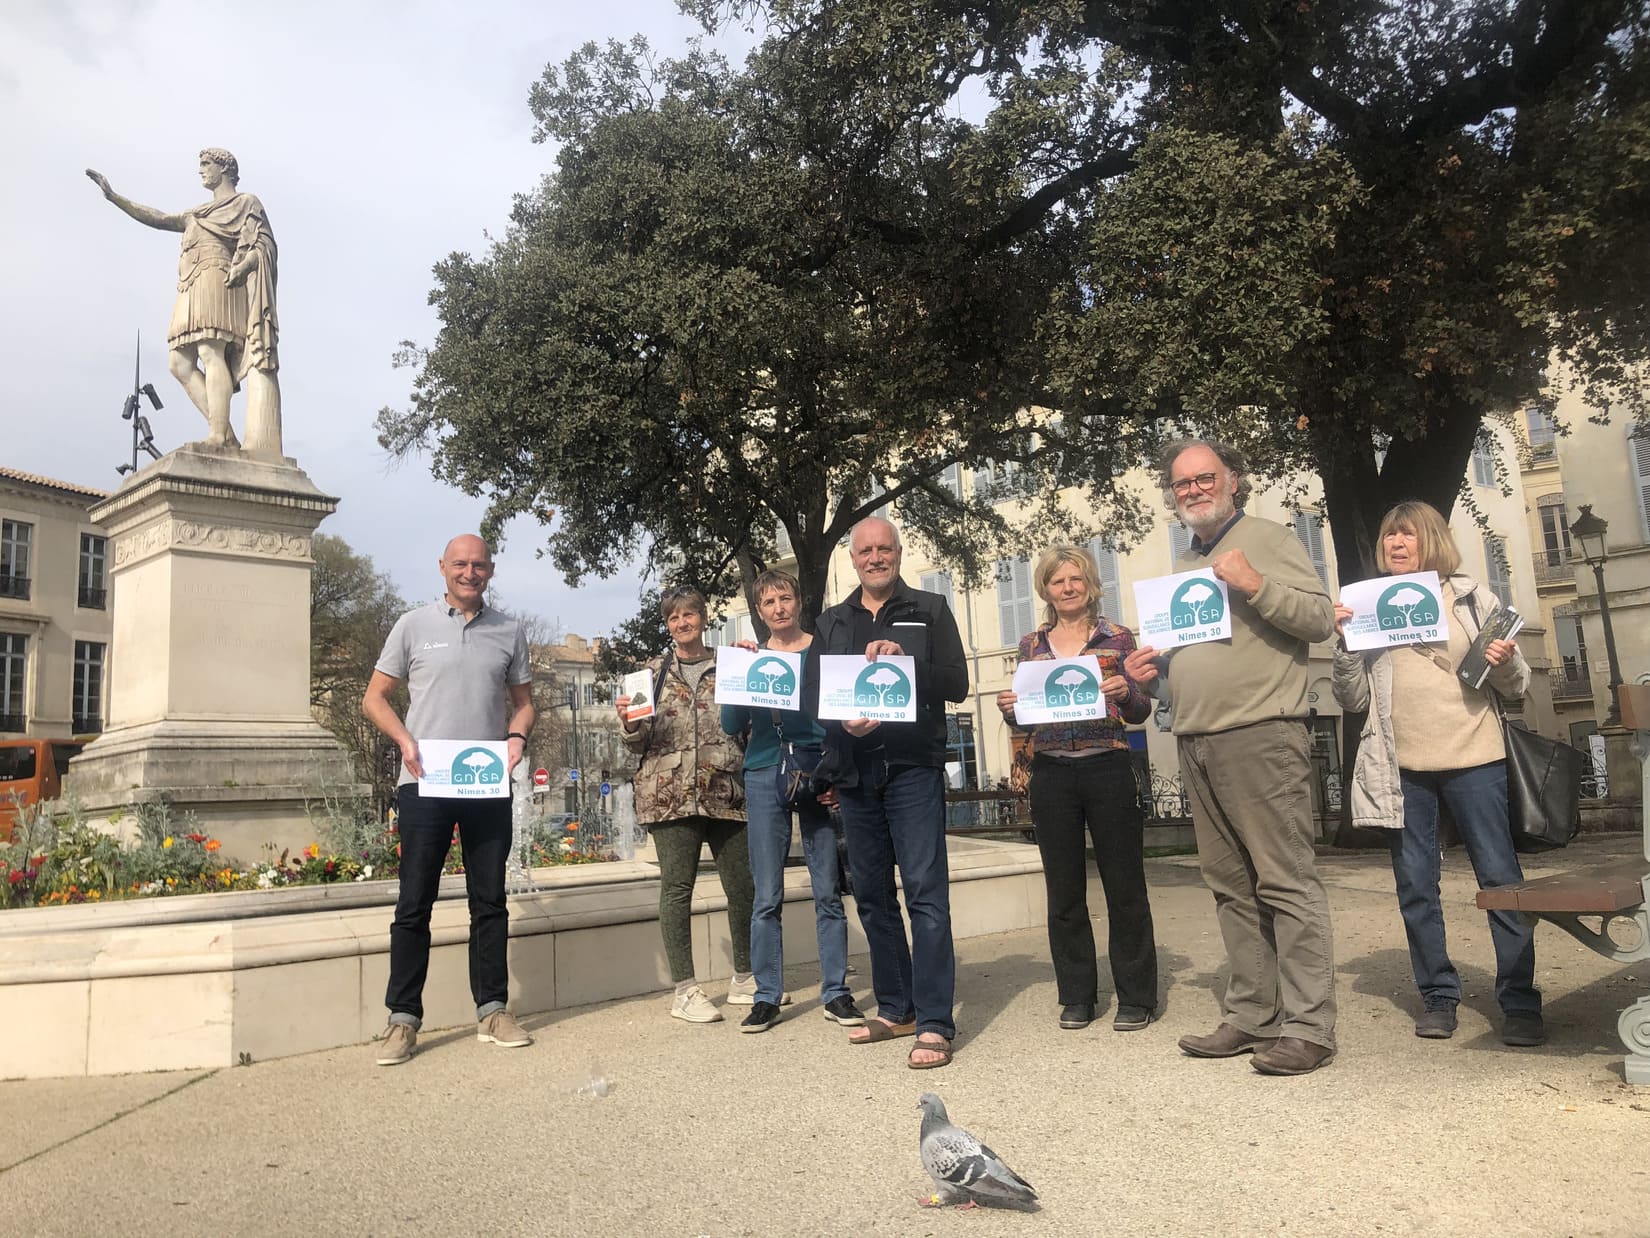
223	328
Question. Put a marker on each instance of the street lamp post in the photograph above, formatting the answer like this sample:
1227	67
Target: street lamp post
1588	530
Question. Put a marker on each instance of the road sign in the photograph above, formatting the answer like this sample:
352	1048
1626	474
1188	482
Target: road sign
607	788
541	777
572	775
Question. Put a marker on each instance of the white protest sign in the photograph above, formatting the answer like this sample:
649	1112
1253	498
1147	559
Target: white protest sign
1184	609
850	687
465	769
638	686
770	678
1058	690
1395	610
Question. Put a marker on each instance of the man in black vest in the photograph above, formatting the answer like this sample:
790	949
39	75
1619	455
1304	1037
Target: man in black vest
890	782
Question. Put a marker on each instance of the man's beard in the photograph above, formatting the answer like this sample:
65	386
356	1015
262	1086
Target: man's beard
1212	518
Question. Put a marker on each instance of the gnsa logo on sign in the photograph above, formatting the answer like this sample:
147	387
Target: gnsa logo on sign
1071	687
1196	604
1407	605
477	767
771	677
881	686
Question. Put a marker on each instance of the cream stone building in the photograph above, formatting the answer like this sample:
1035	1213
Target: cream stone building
570	669
993	618
55	615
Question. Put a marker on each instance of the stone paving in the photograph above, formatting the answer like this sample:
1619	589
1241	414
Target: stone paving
704	1131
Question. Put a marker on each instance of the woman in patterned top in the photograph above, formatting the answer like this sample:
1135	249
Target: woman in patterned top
1082	781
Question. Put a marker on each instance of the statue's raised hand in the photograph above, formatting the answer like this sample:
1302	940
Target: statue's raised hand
101	182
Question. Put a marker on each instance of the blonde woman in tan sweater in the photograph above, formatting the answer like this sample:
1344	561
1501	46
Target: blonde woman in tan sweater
1431	739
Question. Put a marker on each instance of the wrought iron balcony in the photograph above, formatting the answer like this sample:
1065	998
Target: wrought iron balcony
11	722
1572	687
93	599
14	587
87	726
1549	572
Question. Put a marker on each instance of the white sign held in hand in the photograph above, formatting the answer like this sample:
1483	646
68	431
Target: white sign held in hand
884	690
1395	610
1058	690
464	769
1184	609
768	678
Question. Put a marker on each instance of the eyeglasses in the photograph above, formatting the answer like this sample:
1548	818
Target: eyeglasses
1203	481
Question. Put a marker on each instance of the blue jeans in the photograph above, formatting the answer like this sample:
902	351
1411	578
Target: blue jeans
769	831
896	816
426	828
1477	799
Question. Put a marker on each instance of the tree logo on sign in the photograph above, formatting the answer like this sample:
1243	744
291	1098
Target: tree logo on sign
477	767
881	686
1196	604
1072	686
1407	605
772	676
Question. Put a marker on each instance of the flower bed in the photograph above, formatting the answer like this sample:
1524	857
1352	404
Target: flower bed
55	856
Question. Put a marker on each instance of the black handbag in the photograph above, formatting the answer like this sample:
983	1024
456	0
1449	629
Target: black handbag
795	785
1543	782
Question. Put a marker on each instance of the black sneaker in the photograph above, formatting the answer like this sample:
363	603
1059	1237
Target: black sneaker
1132	1018
1524	1030
1436	1023
763	1015
842	1010
1076	1015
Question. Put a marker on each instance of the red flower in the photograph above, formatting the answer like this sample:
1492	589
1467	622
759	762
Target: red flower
196	838
331	866
16	877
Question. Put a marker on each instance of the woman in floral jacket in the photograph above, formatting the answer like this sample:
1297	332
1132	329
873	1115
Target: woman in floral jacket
1082	784
689	793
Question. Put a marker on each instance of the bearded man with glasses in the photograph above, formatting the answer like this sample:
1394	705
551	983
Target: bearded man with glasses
1240	710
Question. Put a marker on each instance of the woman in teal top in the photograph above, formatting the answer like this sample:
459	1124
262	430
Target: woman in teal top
779	602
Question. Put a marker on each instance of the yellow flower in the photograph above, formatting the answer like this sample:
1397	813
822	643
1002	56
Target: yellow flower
313	851
166	842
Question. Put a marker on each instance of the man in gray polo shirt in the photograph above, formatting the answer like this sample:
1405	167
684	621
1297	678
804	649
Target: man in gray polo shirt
466	670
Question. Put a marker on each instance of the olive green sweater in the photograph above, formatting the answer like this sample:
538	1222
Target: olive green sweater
1260	673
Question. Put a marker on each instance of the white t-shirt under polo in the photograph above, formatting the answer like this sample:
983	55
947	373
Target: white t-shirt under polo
456	672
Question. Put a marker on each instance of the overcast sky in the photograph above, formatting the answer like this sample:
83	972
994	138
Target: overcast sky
380	136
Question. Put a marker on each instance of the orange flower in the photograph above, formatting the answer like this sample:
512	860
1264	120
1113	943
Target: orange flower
572	827
313	851
213	844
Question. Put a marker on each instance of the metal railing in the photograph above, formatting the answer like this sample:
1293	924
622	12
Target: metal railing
14	587
93	599
86	726
1549	573
1566	688
11	722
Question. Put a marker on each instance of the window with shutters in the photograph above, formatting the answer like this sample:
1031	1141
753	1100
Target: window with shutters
1499	579
1571	638
86	709
940	583
1543	433
16	538
1555	530
1105	558
1016	604
998	478
1180	541
1483	462
1638	446
950	478
14	660
1309	531
94	554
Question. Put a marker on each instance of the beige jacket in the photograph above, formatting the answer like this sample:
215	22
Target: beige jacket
1363	681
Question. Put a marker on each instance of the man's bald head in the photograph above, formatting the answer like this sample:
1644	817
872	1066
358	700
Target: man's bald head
467	567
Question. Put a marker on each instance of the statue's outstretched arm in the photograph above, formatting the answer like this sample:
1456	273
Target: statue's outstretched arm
143	214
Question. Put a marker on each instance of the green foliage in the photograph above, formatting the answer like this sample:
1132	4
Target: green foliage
751	298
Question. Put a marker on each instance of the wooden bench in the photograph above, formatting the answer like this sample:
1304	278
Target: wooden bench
1607	907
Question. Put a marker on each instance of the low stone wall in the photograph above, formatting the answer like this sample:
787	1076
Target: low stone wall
212	980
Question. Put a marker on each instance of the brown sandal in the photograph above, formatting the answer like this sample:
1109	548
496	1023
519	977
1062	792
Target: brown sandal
878	1030
939	1045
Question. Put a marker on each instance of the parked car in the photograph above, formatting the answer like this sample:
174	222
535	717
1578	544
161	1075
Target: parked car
31	770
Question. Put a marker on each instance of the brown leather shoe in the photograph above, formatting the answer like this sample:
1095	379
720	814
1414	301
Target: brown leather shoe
1224	1041
1292	1056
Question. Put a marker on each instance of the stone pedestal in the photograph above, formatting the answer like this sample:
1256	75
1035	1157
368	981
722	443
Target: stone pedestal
209	670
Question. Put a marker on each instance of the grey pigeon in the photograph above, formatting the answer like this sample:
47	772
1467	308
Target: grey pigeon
964	1169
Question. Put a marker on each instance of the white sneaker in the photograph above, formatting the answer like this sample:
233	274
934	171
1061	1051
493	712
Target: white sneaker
742	991
695	1007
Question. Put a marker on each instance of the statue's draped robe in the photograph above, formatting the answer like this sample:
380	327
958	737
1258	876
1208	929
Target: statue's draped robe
215	237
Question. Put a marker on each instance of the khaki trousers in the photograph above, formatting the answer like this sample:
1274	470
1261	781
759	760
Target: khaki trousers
1250	796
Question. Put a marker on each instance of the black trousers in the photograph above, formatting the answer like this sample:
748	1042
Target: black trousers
1094	796
426	827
